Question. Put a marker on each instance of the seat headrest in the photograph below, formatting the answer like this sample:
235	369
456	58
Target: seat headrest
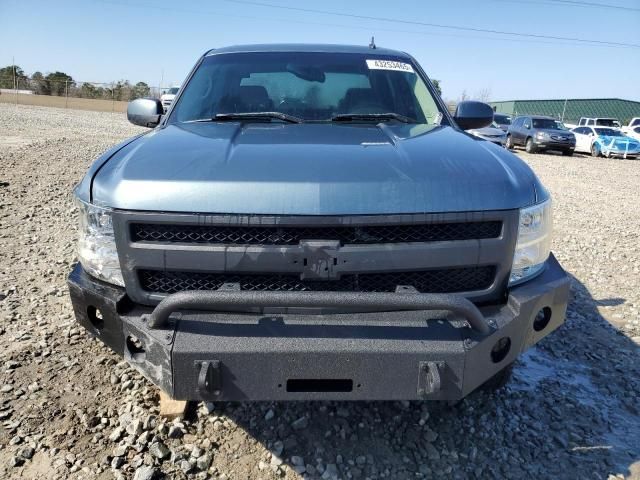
254	95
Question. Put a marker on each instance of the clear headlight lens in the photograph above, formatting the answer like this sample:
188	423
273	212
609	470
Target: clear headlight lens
96	243
534	242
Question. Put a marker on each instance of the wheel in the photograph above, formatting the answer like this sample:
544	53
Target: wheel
508	144
530	147
498	381
595	150
567	153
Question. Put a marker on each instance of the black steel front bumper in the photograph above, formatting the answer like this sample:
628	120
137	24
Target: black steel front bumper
411	346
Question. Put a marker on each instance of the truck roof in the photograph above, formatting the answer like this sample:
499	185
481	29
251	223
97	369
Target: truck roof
299	47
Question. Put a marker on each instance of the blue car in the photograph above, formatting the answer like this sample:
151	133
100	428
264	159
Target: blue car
606	141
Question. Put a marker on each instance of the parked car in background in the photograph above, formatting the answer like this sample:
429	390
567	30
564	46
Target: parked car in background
538	133
167	97
635	122
502	120
634	133
606	141
493	133
599	122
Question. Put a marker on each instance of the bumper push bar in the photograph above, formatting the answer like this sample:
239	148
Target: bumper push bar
232	345
219	301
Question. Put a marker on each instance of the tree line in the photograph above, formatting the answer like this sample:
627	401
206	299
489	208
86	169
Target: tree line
61	84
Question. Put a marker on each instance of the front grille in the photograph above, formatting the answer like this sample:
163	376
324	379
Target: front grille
292	235
448	280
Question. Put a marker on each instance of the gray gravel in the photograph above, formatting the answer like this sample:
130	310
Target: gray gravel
69	408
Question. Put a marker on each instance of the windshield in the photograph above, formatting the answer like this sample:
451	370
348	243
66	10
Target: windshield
502	119
606	122
315	86
173	90
561	126
610	132
544	123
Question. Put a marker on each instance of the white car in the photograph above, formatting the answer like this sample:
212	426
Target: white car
634	132
492	133
167	97
633	124
606	141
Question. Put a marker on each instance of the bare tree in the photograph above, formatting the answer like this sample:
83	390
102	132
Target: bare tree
483	95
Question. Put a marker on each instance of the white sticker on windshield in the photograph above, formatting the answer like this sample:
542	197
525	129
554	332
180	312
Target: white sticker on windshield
389	65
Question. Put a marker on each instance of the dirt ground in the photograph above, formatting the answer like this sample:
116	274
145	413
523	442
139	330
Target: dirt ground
69	408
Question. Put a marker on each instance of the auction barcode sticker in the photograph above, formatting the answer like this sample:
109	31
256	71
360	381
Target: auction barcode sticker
389	65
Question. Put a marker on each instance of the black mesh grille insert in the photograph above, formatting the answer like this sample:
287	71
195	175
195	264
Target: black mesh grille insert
291	235
428	281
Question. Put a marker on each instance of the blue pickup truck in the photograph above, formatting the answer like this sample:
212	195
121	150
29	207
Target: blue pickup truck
310	222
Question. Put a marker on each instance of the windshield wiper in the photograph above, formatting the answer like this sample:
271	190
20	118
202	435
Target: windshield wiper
223	117
380	117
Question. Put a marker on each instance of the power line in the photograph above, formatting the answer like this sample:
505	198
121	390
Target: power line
570	3
337	25
436	25
595	4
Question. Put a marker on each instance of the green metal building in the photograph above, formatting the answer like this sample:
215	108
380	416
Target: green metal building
571	109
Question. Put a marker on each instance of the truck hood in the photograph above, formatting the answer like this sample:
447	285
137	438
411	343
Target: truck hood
313	169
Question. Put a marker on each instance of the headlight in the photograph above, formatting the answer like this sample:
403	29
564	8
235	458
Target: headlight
542	135
96	243
534	242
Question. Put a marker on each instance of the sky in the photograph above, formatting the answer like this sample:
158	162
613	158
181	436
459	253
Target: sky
158	41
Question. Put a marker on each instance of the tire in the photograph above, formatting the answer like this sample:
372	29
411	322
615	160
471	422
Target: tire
595	150
498	381
508	144
529	146
567	153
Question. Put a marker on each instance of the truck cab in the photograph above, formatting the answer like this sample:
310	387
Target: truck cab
599	122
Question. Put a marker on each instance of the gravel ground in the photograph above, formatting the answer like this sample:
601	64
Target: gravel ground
71	409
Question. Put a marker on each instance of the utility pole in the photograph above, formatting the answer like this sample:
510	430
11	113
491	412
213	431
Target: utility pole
564	109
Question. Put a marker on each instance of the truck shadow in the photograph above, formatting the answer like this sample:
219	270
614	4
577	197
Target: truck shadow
572	410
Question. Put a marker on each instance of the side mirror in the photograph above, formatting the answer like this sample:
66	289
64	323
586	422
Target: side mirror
470	114
145	112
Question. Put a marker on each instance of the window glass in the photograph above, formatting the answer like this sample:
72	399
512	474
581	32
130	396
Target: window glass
502	119
546	123
610	132
313	86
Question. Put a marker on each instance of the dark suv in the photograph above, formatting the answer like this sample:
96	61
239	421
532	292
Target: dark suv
538	133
